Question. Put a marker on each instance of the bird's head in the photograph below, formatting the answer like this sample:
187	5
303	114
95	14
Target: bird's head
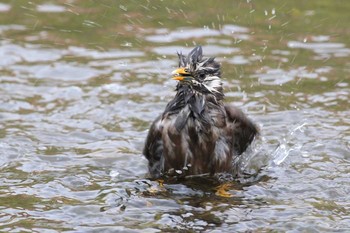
201	73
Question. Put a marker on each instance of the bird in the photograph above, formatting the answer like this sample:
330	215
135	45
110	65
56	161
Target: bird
197	133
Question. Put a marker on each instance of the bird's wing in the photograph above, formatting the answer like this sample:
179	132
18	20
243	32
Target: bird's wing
153	149
244	129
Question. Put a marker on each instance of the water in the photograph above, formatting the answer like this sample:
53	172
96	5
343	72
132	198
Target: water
81	81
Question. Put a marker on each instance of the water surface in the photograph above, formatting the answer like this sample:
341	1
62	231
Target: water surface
81	81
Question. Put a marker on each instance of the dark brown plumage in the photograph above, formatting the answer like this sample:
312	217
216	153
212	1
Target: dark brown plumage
197	133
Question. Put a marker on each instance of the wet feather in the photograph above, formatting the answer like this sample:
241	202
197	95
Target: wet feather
197	131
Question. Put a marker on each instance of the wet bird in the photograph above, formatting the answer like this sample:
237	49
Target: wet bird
197	133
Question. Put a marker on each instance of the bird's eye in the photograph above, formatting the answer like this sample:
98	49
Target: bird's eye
186	70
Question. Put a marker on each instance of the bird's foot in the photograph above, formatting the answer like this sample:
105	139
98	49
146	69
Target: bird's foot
160	183
222	190
157	189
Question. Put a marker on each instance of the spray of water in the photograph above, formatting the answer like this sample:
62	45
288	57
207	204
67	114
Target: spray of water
261	156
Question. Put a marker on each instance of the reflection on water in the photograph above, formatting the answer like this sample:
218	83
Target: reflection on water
232	31
323	50
80	83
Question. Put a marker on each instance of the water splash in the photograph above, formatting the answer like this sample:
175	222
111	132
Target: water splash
287	145
260	154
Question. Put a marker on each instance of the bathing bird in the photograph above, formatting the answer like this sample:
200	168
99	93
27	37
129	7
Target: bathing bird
197	133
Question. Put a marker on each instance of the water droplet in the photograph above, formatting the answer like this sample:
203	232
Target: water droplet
126	44
122	7
114	174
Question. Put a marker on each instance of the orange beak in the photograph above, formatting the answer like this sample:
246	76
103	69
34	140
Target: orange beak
178	78
180	73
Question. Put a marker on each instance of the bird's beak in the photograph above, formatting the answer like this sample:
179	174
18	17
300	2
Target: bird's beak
180	73
178	78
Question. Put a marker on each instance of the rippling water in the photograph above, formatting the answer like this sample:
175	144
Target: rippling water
80	83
